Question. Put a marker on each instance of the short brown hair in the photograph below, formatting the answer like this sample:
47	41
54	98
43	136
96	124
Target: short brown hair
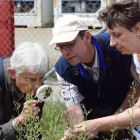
126	14
82	33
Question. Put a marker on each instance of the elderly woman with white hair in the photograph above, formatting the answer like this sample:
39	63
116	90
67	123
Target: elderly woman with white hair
26	67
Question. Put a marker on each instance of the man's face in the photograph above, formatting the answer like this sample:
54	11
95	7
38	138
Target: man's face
28	80
124	40
75	51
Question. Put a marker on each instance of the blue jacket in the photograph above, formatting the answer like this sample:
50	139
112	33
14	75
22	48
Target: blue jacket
104	97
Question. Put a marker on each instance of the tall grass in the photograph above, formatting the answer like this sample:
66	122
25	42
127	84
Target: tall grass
53	122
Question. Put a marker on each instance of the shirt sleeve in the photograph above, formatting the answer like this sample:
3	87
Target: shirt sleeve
137	63
69	92
134	74
7	131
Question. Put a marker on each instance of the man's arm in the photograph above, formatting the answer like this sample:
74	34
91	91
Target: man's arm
74	114
72	98
7	131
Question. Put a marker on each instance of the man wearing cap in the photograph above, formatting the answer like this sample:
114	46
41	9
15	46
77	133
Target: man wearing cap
94	78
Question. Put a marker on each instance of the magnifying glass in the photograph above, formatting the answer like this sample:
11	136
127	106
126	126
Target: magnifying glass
43	93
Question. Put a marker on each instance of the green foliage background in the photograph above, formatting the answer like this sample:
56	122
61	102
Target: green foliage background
53	122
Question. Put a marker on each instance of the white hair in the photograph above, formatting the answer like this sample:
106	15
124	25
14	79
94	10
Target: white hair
31	57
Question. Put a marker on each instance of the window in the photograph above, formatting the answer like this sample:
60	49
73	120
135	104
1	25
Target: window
80	6
24	6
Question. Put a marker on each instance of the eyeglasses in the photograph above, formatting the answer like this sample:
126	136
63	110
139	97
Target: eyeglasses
68	45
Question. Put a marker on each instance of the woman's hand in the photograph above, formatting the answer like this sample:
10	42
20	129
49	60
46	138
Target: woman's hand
87	129
30	110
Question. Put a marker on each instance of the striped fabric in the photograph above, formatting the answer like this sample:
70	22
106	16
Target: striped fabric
134	74
136	132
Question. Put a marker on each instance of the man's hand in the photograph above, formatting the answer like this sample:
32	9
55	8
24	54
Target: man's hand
30	110
86	129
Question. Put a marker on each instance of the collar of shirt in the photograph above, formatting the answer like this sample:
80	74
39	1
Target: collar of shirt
95	65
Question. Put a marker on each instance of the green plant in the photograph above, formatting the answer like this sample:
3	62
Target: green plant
31	128
132	105
53	122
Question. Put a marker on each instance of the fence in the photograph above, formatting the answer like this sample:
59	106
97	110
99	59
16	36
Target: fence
6	28
34	25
